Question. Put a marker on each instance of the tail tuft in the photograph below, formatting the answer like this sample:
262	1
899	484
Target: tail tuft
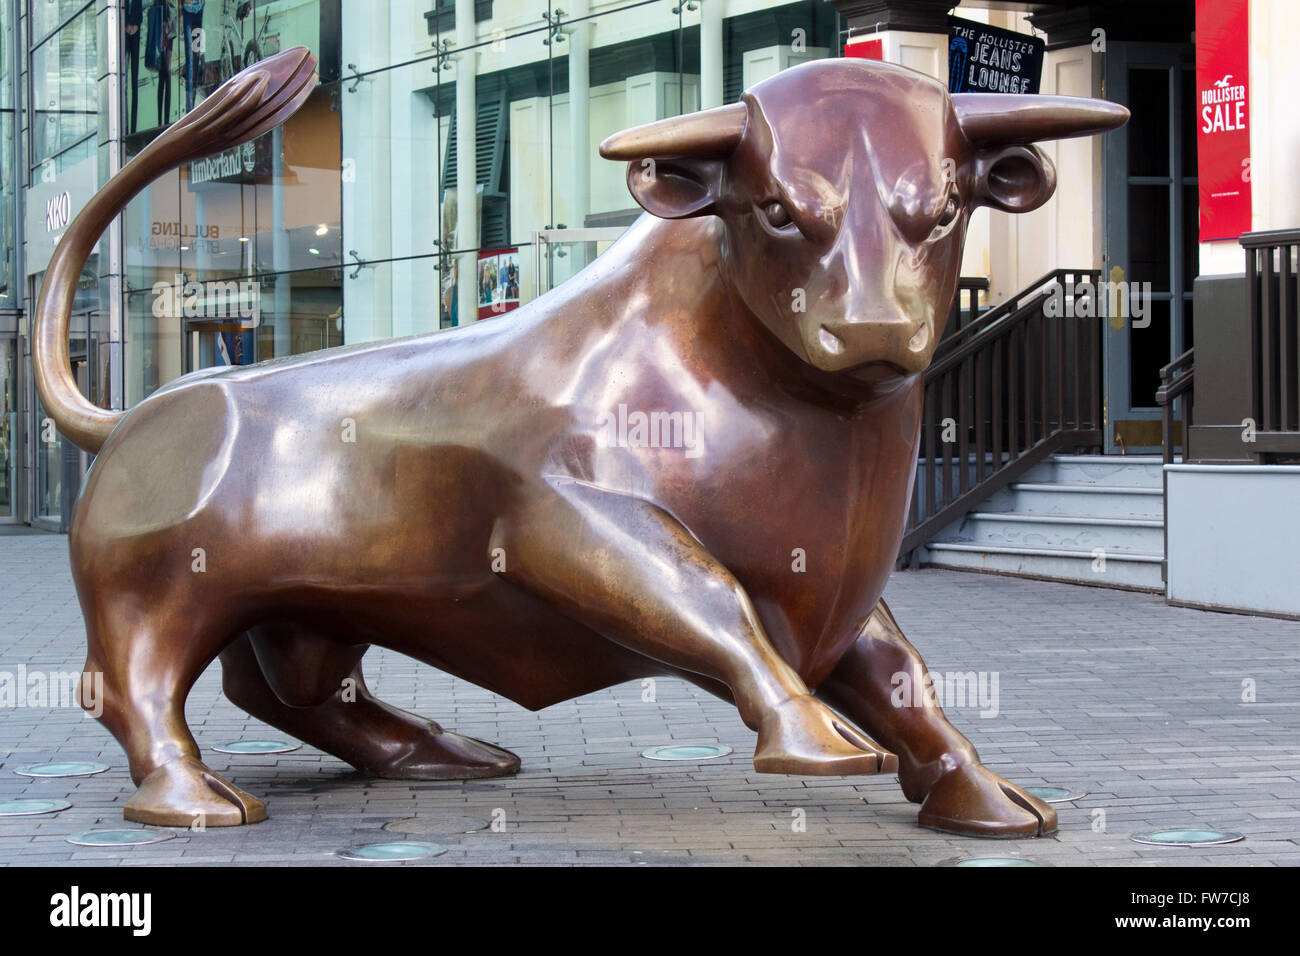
249	104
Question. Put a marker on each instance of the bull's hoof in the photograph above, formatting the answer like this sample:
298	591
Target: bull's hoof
441	755
803	736
972	800
184	792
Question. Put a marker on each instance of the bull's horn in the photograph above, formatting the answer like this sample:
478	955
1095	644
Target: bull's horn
713	132
1007	119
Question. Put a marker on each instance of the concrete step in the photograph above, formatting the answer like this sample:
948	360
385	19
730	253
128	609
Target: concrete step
1125	570
1089	519
1078	500
1115	470
1055	532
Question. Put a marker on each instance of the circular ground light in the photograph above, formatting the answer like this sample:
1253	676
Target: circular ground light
988	861
117	837
256	747
687	752
31	808
1056	794
70	768
1189	836
432	826
393	852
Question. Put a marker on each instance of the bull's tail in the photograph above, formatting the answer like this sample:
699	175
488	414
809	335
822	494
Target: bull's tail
247	105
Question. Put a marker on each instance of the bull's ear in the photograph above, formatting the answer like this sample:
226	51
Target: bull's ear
675	166
1014	178
675	188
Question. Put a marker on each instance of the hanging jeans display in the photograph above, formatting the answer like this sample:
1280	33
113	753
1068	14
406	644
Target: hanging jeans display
192	34
158	55
134	21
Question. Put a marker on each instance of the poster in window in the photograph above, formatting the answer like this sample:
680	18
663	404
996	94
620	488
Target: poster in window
498	282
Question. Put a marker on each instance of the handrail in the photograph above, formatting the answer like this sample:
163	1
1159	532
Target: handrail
1270	237
971	286
1176	379
1012	304
1000	327
1011	388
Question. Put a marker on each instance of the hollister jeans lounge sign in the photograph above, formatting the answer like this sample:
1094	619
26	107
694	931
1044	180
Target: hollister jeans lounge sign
1223	117
985	59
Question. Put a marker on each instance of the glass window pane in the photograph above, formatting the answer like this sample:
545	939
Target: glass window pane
1148	128
1148	353
46	15
64	90
1148	236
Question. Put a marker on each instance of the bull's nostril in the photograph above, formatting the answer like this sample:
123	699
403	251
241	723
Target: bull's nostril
830	341
920	340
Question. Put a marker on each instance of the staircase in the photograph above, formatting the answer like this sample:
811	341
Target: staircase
1088	519
1008	479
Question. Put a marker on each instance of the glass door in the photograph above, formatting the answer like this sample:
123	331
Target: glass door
1151	233
10	440
58	464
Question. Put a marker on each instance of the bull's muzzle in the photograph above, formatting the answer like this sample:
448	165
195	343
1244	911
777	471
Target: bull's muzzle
907	345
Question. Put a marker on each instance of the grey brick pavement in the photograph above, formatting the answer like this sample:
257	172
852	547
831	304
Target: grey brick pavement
1105	691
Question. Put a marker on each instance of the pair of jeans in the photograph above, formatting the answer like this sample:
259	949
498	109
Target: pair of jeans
191	20
133	57
165	86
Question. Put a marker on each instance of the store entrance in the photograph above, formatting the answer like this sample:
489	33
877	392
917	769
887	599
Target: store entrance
1151	231
10	428
59	464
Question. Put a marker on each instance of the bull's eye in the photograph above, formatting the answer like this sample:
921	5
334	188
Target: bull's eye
777	215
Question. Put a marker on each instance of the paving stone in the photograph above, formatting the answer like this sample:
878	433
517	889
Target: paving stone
1111	692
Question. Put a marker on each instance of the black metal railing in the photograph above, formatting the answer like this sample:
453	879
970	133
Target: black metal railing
965	304
1273	316
1176	381
1019	383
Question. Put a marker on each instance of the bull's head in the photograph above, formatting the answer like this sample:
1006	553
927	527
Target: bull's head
845	187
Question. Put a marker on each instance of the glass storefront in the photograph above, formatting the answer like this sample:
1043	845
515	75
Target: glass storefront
537	124
348	218
350	222
10	297
259	224
8	424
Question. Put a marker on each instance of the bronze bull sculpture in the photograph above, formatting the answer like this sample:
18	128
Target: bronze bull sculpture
490	518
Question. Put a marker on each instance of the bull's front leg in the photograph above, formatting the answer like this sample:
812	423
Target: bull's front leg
629	571
938	766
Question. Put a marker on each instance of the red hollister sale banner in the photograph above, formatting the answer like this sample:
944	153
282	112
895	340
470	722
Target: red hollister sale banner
1223	120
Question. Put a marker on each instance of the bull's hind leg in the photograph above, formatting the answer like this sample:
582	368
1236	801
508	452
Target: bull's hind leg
150	653
313	688
938	767
628	570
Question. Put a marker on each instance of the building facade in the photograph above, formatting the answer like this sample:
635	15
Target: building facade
445	172
344	222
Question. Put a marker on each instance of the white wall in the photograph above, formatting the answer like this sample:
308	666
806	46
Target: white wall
1232	536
